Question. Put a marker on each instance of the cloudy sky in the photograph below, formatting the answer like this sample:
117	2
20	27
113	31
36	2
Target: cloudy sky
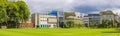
83	6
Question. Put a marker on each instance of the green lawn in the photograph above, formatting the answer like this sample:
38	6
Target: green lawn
58	32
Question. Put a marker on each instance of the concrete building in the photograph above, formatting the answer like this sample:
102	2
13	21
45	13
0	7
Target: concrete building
86	20
94	18
79	15
44	21
59	15
91	18
110	16
98	18
107	15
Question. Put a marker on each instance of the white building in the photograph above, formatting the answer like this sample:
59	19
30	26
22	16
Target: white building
79	15
44	21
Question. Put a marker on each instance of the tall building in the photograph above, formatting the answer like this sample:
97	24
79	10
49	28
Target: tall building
79	15
94	18
108	15
59	15
86	20
44	21
101	18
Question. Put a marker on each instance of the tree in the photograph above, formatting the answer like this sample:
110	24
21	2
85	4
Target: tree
93	25
62	25
78	24
68	14
23	11
69	24
12	13
3	13
3	1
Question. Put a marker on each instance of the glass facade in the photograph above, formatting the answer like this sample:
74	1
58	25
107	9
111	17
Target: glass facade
43	26
95	18
108	17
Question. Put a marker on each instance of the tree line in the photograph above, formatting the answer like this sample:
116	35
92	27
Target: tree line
12	13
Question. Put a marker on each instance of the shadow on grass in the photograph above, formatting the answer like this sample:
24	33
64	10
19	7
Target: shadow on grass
111	32
116	31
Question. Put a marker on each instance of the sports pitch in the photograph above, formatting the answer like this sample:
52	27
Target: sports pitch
59	32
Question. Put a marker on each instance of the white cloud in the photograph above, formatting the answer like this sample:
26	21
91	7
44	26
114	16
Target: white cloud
116	11
69	5
48	5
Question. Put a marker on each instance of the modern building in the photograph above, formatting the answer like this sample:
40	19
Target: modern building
44	21
94	18
59	16
98	18
79	15
108	15
91	18
86	20
72	18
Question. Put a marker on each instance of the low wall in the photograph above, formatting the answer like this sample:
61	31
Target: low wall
26	25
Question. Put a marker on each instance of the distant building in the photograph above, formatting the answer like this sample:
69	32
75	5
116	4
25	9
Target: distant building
86	20
91	18
108	15
98	18
44	21
59	16
94	18
72	18
79	15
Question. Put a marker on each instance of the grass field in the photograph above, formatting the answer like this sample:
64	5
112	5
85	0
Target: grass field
58	32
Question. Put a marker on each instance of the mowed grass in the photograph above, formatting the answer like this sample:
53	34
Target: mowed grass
59	32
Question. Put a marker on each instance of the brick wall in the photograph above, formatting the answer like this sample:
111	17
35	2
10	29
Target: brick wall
26	25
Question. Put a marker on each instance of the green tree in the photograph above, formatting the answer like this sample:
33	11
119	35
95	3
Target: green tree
69	24
78	24
3	1
13	12
23	11
93	25
68	14
3	13
61	24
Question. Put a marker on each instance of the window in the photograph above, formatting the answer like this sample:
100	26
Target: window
41	26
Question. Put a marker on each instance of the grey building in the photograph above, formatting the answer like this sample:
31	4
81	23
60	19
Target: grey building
94	18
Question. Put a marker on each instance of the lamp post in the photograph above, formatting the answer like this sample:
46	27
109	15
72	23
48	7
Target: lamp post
57	19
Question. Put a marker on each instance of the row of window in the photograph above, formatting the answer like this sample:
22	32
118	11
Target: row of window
43	26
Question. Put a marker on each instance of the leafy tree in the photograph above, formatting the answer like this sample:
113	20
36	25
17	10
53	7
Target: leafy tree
13	12
93	25
61	24
3	14
24	11
78	24
69	24
68	14
3	1
106	24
